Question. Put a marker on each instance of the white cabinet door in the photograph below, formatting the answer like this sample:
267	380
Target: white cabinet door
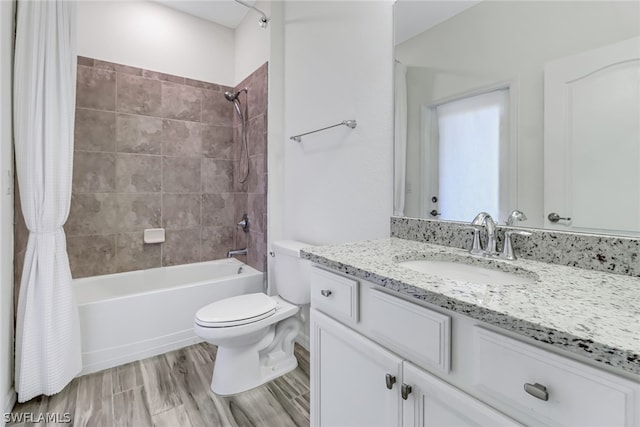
592	140
348	378
434	403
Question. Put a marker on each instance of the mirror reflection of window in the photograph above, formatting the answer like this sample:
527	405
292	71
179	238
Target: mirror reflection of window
470	152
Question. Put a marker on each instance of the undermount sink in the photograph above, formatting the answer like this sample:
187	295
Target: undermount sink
452	270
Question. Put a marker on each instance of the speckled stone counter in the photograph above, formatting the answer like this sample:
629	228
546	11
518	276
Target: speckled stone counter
590	313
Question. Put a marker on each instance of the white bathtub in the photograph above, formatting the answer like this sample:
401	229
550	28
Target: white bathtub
131	316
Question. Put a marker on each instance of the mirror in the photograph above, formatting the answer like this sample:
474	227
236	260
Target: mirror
455	52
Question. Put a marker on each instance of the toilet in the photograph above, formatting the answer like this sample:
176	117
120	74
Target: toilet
255	333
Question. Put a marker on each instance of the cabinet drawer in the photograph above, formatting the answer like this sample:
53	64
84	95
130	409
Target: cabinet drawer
577	394
334	295
417	333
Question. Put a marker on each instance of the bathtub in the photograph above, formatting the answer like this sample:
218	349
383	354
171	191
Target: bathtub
130	316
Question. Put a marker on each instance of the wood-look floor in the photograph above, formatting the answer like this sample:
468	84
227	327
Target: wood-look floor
172	390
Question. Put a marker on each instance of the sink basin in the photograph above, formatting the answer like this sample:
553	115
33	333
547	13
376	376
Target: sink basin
469	273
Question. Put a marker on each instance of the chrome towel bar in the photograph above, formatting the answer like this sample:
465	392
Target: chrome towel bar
349	123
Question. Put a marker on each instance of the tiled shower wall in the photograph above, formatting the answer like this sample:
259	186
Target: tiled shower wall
251	196
155	150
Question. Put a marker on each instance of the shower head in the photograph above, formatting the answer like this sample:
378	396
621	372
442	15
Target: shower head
233	97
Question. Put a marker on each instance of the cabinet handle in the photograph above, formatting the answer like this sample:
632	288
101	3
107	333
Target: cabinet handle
405	391
390	380
537	390
325	293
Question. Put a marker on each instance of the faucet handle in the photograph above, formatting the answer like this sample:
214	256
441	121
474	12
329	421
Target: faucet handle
476	248
507	249
515	215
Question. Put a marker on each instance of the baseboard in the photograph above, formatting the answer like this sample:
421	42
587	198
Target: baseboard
116	356
304	341
10	400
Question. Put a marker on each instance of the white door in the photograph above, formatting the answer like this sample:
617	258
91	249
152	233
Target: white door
592	140
434	403
349	378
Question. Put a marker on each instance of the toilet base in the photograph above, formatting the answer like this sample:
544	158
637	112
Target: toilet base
238	369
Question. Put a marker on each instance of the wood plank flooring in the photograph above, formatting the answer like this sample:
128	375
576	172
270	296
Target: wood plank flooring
172	390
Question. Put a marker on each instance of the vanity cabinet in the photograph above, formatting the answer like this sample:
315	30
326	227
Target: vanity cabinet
433	402
354	381
381	360
358	382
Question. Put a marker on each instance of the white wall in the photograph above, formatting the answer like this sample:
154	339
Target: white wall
252	43
497	41
151	36
338	66
7	396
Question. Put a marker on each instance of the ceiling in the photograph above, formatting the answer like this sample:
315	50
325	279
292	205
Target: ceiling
413	17
224	12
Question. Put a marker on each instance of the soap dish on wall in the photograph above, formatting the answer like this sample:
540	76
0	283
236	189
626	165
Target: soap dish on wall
154	235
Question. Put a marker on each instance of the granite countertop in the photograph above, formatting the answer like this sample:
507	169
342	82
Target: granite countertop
590	313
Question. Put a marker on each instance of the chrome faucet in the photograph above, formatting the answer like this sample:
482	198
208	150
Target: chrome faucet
483	219
233	252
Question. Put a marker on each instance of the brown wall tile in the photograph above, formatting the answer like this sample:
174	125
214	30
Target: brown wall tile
160	150
162	76
133	254
138	211
181	102
217	176
138	134
257	256
95	130
218	210
138	95
91	255
95	89
94	172
202	85
181	175
257	182
138	173
257	135
216	110
216	241
181	247
126	69
256	207
83	60
92	213
181	139
218	142
180	211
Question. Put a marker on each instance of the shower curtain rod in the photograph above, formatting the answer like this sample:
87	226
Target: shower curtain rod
349	123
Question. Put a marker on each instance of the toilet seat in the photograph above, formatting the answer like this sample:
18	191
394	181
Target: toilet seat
235	311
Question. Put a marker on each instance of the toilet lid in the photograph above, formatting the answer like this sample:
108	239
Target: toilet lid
235	311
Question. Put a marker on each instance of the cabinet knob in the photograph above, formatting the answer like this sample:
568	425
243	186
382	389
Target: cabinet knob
325	293
405	391
390	380
537	390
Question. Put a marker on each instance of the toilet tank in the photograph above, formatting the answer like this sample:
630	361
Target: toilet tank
290	272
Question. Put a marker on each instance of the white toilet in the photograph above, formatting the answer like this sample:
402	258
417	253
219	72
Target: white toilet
255	332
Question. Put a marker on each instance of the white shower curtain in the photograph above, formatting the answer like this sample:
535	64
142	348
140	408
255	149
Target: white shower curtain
400	139
48	353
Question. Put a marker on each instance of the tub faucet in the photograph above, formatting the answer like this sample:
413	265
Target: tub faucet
484	219
233	252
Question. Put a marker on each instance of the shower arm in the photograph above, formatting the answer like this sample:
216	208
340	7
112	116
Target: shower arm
349	123
263	18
